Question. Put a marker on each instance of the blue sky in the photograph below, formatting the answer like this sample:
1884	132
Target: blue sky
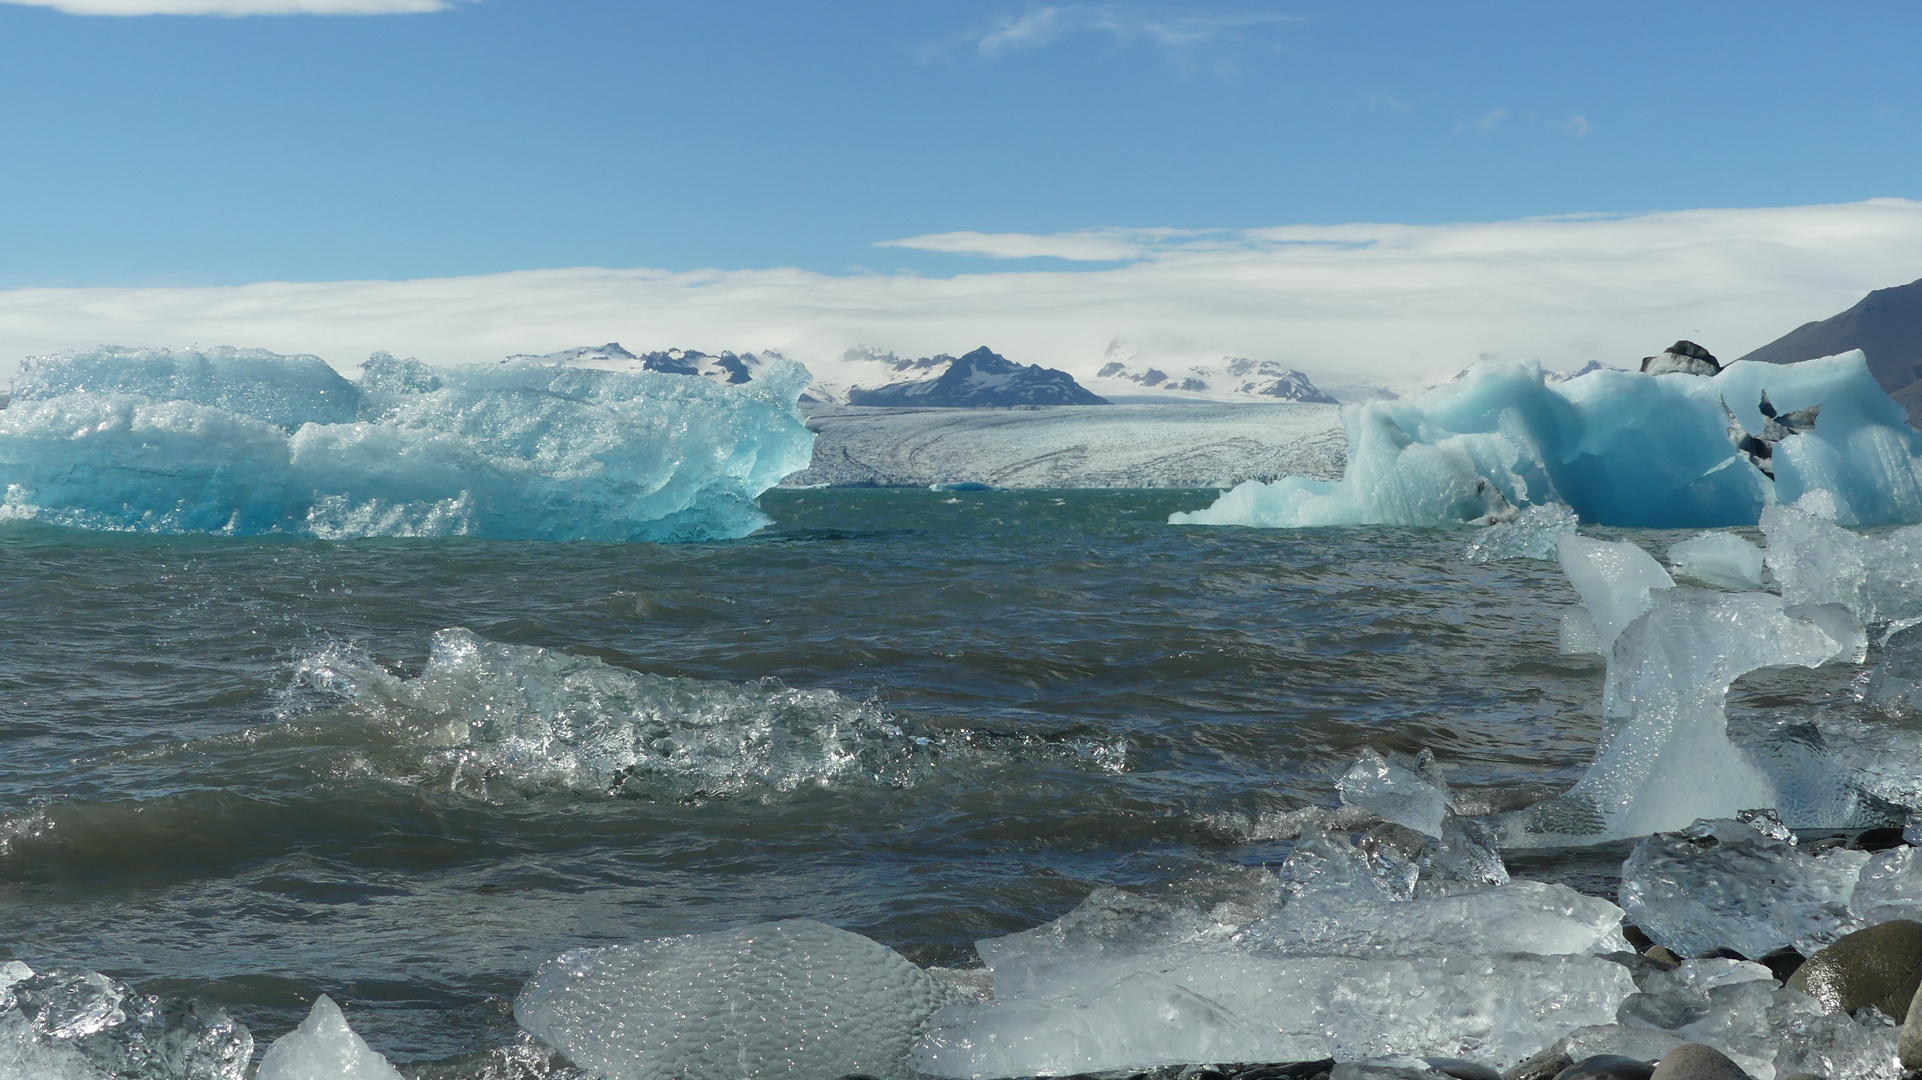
498	135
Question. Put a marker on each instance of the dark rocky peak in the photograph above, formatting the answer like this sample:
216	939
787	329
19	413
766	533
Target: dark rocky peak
981	378
1886	325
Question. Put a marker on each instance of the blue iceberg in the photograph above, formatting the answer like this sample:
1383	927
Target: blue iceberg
1617	447
247	442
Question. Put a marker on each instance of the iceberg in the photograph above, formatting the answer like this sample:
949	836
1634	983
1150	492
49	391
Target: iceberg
1532	534
791	999
1617	447
323	1047
247	442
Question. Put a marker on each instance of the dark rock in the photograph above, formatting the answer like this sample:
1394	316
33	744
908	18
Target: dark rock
1783	963
1295	1070
1879	966
1637	940
1543	1066
1723	953
1683	357
1877	839
1660	955
1639	966
1693	1061
1607	1067
1463	1070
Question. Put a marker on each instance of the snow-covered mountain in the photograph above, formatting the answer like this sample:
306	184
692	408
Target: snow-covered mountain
978	379
1232	379
861	376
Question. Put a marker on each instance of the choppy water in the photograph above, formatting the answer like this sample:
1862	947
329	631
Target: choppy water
230	767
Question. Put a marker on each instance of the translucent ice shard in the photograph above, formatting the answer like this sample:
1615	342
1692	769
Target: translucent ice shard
81	1025
1521	916
1817	561
324	1047
1395	793
790	999
1530	535
1617	447
234	442
1722	884
1665	758
1719	558
1613	580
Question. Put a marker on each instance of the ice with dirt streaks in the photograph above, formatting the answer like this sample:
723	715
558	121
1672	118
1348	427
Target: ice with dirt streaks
244	442
793	999
1617	447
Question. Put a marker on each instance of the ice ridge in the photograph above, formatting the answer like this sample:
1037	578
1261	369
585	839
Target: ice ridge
246	442
1617	447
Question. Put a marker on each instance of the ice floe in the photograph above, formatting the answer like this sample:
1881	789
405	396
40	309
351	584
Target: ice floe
245	442
1617	447
324	1047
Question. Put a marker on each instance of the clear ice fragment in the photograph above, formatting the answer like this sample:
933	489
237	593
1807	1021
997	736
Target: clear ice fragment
1394	793
1530	535
1613	580
324	1047
797	1000
1720	559
81	1025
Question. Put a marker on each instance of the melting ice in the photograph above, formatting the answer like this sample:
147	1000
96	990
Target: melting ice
245	442
1618	447
493	718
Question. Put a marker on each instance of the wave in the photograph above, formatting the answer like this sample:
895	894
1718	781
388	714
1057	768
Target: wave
248	442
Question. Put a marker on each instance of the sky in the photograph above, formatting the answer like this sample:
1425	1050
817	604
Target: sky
863	173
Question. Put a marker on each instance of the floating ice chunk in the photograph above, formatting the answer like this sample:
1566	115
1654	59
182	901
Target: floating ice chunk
1897	680
1889	887
81	1025
249	442
1817	561
323	1047
1719	558
490	715
1613	580
1231	1006
1519	917
1530	535
793	999
1618	447
1722	884
1392	1067
1395	793
1666	758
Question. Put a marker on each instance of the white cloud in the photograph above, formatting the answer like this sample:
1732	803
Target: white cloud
1487	123
240	7
1042	26
1107	245
1574	125
1398	303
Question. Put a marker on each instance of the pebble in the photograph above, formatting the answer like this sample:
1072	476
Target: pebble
1783	963
1879	966
1878	839
1663	957
1693	1061
1607	1067
1908	1046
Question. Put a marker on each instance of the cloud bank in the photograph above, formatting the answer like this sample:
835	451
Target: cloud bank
1171	29
1398	304
239	7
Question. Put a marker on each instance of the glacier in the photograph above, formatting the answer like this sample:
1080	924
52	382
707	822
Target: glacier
1618	447
248	442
